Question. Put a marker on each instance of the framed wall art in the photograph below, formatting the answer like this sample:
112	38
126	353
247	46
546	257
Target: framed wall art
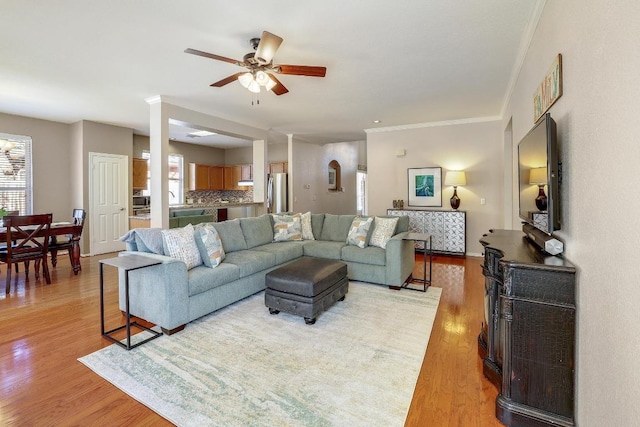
425	186
549	90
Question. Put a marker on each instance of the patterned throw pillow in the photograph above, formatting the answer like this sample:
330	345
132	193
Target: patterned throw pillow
181	244
287	227
307	231
209	244
383	229
358	232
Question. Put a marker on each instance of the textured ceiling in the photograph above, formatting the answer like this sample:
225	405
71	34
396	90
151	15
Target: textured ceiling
398	62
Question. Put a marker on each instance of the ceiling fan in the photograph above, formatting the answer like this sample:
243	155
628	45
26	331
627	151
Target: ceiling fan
260	66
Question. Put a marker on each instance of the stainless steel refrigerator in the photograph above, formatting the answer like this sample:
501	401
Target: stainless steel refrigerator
277	193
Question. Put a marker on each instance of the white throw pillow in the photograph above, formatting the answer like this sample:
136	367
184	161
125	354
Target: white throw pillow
383	229
209	244
358	231
180	243
287	227
307	231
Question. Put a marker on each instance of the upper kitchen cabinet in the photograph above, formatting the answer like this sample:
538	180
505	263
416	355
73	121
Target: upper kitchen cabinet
205	177
278	167
246	172
139	174
216	178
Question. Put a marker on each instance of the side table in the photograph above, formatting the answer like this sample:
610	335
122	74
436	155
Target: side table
127	263
426	238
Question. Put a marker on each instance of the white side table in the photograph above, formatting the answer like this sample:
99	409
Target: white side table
127	263
424	282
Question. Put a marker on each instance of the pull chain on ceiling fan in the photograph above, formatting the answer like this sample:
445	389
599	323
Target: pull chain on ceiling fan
260	66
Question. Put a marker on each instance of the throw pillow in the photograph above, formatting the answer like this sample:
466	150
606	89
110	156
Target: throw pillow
383	229
358	232
181	244
209	244
287	227
307	231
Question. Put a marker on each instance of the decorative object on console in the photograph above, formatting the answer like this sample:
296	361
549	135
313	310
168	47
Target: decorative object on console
549	90
455	178
425	186
538	176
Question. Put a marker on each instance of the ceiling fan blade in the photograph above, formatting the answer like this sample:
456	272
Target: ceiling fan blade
212	56
302	70
227	80
279	88
269	44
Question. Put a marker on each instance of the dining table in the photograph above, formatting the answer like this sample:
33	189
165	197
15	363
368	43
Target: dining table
73	231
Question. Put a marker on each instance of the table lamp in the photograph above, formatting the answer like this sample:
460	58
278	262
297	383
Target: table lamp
455	178
538	176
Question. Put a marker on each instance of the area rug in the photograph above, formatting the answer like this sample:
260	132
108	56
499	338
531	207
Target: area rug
241	366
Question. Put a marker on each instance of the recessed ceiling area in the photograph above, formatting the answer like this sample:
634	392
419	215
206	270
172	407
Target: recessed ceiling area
181	133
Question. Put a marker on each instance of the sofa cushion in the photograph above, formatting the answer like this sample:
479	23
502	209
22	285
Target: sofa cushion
370	255
202	279
231	235
283	251
403	222
383	229
209	245
336	227
286	228
257	231
317	220
307	230
251	261
323	249
180	243
359	231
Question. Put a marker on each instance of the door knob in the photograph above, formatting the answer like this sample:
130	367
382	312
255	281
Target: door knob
121	209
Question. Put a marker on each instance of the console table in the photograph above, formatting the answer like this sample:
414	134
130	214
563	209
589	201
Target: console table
527	341
447	228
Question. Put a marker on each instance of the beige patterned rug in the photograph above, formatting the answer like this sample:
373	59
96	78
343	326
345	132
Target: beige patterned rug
241	366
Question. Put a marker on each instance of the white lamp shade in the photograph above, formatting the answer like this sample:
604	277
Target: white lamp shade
538	176
254	87
245	79
262	78
455	178
270	84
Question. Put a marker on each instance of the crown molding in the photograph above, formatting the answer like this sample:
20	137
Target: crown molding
434	124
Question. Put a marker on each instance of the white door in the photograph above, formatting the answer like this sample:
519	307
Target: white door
108	184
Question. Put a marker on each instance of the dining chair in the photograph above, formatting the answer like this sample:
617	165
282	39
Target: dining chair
4	246
54	246
31	235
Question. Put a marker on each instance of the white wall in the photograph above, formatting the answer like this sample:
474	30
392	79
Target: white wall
598	127
306	170
475	147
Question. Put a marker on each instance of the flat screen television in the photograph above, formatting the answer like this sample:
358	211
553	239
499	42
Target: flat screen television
538	176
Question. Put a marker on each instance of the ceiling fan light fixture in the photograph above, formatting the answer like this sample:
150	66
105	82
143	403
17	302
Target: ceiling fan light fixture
270	83
254	87
262	78
245	79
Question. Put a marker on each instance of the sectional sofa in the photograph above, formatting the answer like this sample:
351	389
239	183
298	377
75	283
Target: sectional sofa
170	295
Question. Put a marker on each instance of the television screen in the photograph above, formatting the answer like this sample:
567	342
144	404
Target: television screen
538	176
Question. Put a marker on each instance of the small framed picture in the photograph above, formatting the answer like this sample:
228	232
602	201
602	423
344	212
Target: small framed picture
425	186
332	179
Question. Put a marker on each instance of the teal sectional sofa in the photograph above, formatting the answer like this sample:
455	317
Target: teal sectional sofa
171	296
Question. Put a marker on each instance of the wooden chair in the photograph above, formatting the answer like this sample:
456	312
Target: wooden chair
54	246
31	235
4	247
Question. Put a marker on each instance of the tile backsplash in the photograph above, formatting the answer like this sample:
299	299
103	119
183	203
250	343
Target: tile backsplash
232	196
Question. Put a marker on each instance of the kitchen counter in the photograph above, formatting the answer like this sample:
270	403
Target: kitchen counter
235	210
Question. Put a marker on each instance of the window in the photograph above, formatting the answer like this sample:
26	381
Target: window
16	191
176	178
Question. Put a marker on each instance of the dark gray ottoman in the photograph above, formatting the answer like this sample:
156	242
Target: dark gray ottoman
306	287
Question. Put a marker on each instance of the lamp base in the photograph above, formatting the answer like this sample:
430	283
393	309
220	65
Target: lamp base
541	200
455	200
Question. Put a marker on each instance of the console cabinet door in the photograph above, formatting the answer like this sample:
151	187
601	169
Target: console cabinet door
447	228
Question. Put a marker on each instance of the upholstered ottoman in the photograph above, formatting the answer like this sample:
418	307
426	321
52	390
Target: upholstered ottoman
306	287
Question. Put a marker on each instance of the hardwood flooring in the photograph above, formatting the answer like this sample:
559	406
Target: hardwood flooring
45	328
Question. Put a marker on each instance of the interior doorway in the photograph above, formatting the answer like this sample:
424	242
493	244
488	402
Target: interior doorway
361	193
108	201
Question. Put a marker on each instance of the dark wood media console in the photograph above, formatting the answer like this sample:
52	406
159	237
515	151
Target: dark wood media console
528	339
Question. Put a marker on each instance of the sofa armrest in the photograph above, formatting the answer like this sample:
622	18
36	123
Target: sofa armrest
400	259
159	293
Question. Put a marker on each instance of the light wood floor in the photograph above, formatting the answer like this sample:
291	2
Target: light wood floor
45	328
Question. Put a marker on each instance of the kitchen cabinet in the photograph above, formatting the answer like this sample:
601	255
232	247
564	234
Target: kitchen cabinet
232	175
278	167
139	223
205	177
246	172
139	181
